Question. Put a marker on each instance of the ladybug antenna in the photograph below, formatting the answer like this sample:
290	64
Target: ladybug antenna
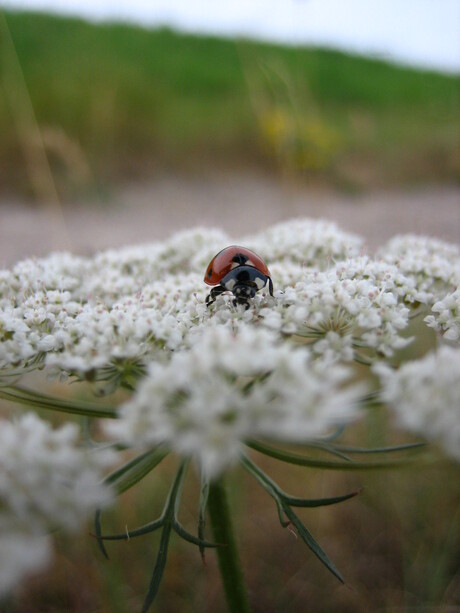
240	259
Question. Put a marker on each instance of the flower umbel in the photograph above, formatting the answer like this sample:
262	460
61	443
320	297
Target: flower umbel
46	482
425	397
230	387
215	385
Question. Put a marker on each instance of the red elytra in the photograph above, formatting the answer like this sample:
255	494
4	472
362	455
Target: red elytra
223	263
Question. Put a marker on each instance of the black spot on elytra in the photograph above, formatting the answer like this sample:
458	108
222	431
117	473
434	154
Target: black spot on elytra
210	273
240	258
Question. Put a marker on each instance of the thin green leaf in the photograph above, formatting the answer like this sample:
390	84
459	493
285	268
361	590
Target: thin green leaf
176	490
341	450
264	480
132	472
330	449
301	460
173	502
280	510
293	501
136	469
282	497
39	400
182	532
126	536
6	374
121	480
119	472
98	533
159	568
269	486
372	399
375	395
259	379
283	501
363	360
204	494
362	450
311	542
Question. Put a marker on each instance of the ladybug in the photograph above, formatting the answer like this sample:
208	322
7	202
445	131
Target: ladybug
237	270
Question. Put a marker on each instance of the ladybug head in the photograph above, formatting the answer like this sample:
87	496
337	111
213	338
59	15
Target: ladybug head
242	291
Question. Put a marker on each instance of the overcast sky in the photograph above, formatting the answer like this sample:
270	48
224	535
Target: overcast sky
418	32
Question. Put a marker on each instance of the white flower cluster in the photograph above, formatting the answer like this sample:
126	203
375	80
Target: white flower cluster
446	318
433	265
125	272
111	275
425	396
137	328
131	306
359	310
22	553
230	387
124	306
46	482
317	244
355	306
387	277
142	308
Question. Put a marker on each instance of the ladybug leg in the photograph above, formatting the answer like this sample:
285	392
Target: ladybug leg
216	291
270	286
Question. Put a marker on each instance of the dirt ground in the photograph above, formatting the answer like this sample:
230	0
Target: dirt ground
237	203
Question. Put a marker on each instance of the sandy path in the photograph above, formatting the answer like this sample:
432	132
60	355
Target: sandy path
236	203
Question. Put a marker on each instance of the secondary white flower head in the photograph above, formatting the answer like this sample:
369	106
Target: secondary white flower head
308	242
22	552
46	482
387	277
58	271
203	403
446	318
15	347
124	272
87	313
358	307
425	396
432	264
46	479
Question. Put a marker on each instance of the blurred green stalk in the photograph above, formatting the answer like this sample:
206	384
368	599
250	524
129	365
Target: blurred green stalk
229	560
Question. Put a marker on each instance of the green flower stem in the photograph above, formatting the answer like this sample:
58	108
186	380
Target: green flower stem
229	561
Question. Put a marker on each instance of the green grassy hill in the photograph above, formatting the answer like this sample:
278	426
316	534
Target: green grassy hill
118	101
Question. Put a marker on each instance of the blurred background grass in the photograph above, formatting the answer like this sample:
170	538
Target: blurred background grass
117	102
